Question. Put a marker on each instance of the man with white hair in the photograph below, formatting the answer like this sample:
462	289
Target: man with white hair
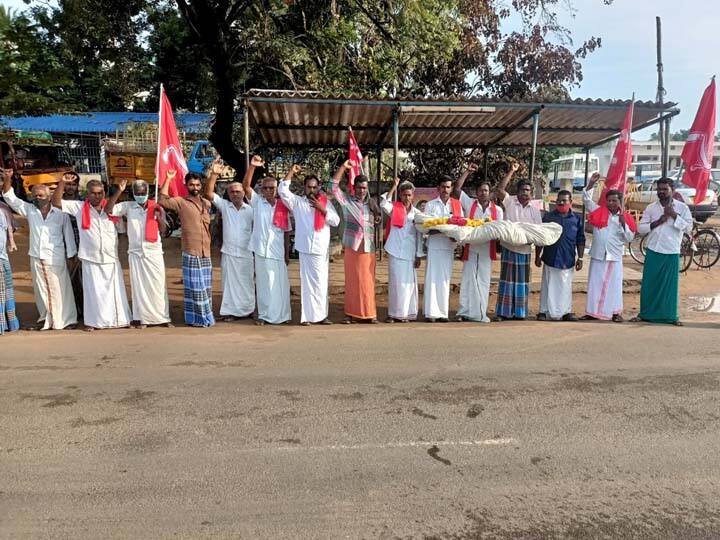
50	233
145	225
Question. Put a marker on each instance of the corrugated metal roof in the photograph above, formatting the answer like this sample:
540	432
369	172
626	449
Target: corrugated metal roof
310	119
102	122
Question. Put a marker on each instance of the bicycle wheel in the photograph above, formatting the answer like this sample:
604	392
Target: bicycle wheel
686	253
636	249
707	251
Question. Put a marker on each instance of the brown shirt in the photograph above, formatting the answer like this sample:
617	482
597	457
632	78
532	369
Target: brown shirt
195	221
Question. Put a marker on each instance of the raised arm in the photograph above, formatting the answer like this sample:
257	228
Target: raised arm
386	199
60	189
167	202
502	186
337	178
288	197
255	163
113	199
457	190
590	205
216	169
69	234
16	204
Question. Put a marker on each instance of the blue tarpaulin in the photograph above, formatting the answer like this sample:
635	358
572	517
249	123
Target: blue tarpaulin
102	122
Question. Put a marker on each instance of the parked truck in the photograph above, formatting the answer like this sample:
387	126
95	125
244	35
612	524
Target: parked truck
33	156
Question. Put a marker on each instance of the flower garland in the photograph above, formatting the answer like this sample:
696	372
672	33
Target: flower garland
459	221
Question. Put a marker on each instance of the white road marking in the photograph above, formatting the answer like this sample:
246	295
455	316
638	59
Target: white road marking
401	444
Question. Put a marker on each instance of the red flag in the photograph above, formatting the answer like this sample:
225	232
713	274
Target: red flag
355	155
170	153
622	158
697	155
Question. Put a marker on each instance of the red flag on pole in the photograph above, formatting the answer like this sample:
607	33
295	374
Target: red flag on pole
622	157
697	155
355	155
169	153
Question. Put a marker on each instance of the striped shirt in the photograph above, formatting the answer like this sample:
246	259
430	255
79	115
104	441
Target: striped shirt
359	233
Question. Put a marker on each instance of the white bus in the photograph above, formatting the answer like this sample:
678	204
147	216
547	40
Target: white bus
571	168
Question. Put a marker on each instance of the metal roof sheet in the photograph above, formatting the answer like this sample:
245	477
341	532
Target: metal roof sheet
311	119
102	122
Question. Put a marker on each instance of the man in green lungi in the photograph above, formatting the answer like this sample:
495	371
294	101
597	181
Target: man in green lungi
664	222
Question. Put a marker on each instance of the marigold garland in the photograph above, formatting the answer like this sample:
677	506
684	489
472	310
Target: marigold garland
459	221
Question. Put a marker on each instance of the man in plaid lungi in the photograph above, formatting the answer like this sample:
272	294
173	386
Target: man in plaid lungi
8	320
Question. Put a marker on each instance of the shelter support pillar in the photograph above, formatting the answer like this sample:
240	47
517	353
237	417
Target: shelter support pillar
246	134
486	150
379	231
585	183
666	144
533	151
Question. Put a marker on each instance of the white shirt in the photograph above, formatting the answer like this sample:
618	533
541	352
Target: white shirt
402	243
136	222
666	238
98	244
439	242
266	240
237	227
467	203
608	243
517	213
307	239
49	236
4	225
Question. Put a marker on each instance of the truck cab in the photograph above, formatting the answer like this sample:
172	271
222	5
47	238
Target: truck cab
33	156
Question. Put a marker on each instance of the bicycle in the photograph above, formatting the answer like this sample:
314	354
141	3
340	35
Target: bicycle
701	247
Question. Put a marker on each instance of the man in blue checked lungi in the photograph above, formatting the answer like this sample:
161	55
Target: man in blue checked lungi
514	286
194	213
8	320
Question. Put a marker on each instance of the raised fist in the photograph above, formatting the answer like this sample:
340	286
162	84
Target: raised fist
170	174
257	161
514	166
396	181
295	169
68	177
7	174
472	167
349	164
122	184
217	167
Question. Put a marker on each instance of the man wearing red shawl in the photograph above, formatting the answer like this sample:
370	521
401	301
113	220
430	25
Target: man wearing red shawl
478	259
314	215
145	223
270	242
612	229
105	302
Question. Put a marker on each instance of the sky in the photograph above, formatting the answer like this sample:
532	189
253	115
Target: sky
626	61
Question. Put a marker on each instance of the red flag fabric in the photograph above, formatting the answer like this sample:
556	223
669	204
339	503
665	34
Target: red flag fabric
319	216
152	227
697	155
355	155
616	177
170	153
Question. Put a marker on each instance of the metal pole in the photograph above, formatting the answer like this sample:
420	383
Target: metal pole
379	234
660	97
396	144
485	163
246	134
587	173
666	161
536	124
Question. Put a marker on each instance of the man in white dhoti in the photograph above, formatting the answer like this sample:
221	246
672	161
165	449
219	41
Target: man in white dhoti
145	226
612	229
440	255
478	258
238	283
270	242
403	244
50	233
559	261
314	215
104	296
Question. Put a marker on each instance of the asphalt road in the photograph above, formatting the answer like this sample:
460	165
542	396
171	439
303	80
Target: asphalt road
517	430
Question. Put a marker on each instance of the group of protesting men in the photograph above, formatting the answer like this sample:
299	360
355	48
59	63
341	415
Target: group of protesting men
256	222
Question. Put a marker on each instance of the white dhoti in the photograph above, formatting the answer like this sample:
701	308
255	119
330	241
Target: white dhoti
475	285
314	304
105	302
149	294
402	289
238	285
53	294
273	290
556	292
437	284
605	289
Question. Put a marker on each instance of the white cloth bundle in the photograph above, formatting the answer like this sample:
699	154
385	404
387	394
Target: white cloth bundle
516	234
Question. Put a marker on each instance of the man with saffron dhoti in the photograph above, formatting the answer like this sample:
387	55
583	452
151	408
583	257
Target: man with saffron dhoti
145	223
559	261
8	320
403	245
50	233
270	242
238	283
104	296
477	259
360	215
314	215
194	213
440	254
612	229
514	285
664	221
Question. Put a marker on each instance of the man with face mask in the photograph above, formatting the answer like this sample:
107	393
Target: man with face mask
314	215
514	285
664	221
194	213
105	299
145	226
360	215
559	261
270	242
50	233
478	259
612	229
238	282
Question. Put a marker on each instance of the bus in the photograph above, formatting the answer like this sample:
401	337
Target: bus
571	168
